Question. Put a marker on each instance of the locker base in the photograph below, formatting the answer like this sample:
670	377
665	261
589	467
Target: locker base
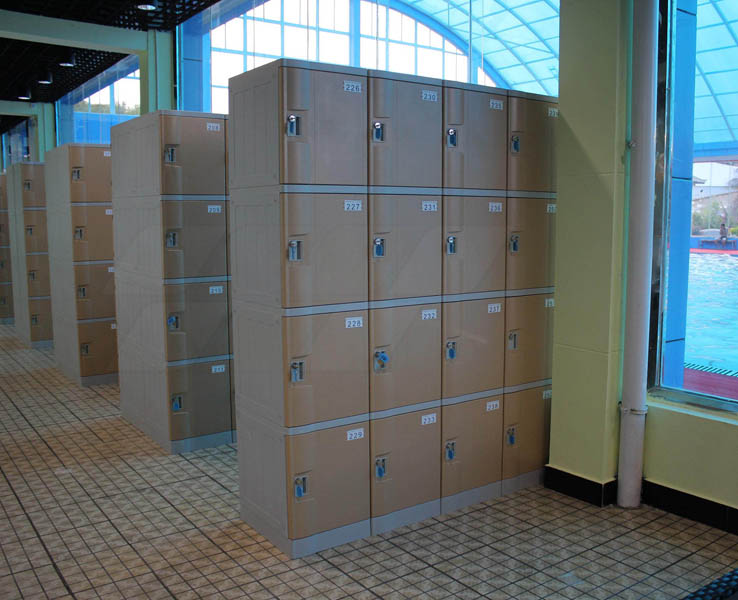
200	442
474	496
523	481
42	344
7	321
405	516
105	379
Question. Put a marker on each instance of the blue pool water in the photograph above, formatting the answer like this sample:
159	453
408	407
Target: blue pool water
712	311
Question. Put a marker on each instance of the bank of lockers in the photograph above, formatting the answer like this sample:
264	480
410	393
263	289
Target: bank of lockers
80	243
171	277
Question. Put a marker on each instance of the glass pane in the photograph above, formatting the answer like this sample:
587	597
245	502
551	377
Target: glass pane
225	65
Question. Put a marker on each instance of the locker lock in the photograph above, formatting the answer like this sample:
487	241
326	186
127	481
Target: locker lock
170	154
381	358
172	239
173	322
514	243
76	173
380	467
301	486
515	144
27	185
82	292
293	125
84	349
297	371
451	244
379	250
3	300
512	340
377	131
2	264
34	319
294	250
450	350
29	230
32	275
177	402
511	434
450	450
452	137
79	233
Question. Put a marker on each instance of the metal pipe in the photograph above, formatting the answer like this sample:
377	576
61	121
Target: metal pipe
642	148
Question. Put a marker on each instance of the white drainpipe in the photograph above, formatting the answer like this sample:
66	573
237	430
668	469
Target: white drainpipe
640	250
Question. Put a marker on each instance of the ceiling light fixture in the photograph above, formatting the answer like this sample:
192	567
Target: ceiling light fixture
70	60
24	93
148	6
45	78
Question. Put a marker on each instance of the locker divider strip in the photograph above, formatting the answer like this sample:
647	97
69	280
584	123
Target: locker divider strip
39	297
403	410
474	192
475	396
405	302
342	422
210	279
514	194
194	197
529	292
73	204
309	188
324	309
93	262
99	320
36	253
527	386
194	361
448	298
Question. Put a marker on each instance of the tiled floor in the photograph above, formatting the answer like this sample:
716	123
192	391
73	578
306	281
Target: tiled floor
91	508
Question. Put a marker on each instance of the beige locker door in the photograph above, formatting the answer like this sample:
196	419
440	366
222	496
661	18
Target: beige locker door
529	343
323	127
404	355
526	431
98	347
325	249
530	163
196	320
95	291
5	267
6	301
471	445
92	231
38	275
473	346
91	179
33	190
193	155
194	238
199	399
35	228
405	128
324	368
473	244
405	461
530	236
475	132
327	479
39	312
404	246
4	229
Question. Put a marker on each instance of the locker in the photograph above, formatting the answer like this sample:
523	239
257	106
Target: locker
192	154
475	132
530	236
324	241
327	479
532	126
405	125
35	230
39	312
526	431
194	238
37	266
404	355
3	191
325	370
90	177
98	348
323	126
529	343
404	246
4	229
473	346
6	301
471	445
32	186
474	238
196	320
95	291
199	399
5	266
92	232
405	462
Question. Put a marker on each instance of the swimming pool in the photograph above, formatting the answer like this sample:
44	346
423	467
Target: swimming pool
712	311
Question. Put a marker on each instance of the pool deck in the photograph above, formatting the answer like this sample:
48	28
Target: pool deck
711	383
713	251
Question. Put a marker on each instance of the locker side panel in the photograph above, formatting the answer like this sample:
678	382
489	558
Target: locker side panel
529	327
526	431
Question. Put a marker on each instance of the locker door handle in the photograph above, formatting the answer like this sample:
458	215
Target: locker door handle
451	244
377	131
297	371
300	486
512	340
452	137
380	467
79	233
34	319
450	350
171	240
381	358
170	154
450	450
511	434
378	248
81	292
293	125
173	322
515	144
29	230
514	243
76	173
32	275
176	402
294	250
84	349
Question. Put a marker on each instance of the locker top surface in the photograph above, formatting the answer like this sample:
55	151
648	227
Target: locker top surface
529	96
475	87
303	64
377	74
80	145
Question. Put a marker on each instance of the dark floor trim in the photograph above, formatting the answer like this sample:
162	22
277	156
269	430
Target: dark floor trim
725	588
692	507
599	494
